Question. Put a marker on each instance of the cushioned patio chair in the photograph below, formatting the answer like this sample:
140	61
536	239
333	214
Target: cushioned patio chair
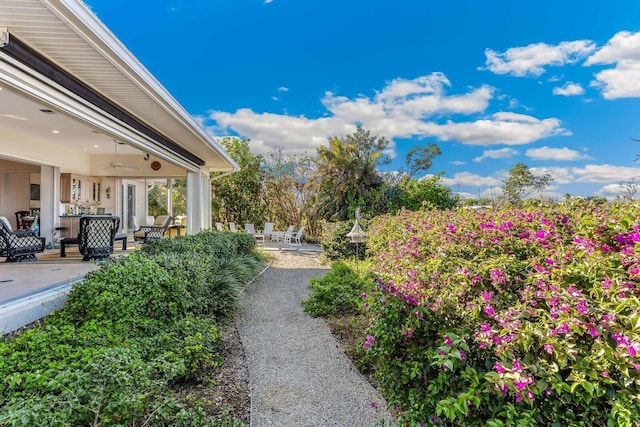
154	231
219	226
232	227
19	245
97	235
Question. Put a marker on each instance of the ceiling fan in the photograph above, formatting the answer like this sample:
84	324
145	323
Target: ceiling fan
115	164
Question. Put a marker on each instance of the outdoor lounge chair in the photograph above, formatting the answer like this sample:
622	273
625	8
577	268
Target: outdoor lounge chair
153	231
282	235
250	229
294	239
19	245
268	230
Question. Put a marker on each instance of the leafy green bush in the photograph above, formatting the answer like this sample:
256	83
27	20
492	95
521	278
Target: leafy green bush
519	317
127	333
337	246
337	292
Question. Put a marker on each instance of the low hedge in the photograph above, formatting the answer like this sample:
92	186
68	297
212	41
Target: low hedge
127	333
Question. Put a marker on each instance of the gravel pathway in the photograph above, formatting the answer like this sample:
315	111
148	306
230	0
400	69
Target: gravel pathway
299	376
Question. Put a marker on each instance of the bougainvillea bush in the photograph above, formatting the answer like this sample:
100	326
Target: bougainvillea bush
509	317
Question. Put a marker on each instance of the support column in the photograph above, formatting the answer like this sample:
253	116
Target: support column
49	200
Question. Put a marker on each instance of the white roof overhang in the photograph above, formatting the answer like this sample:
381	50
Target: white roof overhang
59	49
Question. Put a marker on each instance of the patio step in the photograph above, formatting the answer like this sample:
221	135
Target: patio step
21	310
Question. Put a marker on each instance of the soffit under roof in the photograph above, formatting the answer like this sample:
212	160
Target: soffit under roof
68	34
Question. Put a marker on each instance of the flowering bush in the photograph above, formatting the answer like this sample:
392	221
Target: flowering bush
522	317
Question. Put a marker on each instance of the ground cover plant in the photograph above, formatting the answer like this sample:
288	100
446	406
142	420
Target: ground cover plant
129	334
509	317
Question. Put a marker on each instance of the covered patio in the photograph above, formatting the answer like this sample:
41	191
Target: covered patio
86	129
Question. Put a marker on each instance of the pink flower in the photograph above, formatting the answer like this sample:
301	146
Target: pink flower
487	296
369	342
548	348
521	384
499	368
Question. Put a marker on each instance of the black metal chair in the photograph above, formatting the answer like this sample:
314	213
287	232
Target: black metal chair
96	236
19	245
155	231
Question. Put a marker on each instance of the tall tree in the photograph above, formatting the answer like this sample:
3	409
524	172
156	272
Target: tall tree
286	177
240	197
420	159
346	174
522	183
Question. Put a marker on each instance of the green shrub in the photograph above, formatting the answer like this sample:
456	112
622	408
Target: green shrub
337	292
337	246
127	333
518	317
134	293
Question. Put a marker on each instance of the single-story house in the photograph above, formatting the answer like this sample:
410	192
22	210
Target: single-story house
85	127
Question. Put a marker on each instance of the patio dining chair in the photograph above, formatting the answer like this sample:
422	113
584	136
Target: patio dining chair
232	227
219	226
21	222
19	245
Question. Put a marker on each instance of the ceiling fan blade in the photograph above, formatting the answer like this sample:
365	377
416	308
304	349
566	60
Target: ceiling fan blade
117	165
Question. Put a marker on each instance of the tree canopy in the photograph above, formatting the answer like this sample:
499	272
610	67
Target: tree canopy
522	183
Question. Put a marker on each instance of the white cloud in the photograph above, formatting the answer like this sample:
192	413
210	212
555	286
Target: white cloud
470	179
531	60
458	162
268	1
569	89
623	81
558	154
402	109
610	190
408	100
283	89
296	134
604	173
275	98
504	128
502	153
624	45
620	82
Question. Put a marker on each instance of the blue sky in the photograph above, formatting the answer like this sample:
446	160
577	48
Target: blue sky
552	84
